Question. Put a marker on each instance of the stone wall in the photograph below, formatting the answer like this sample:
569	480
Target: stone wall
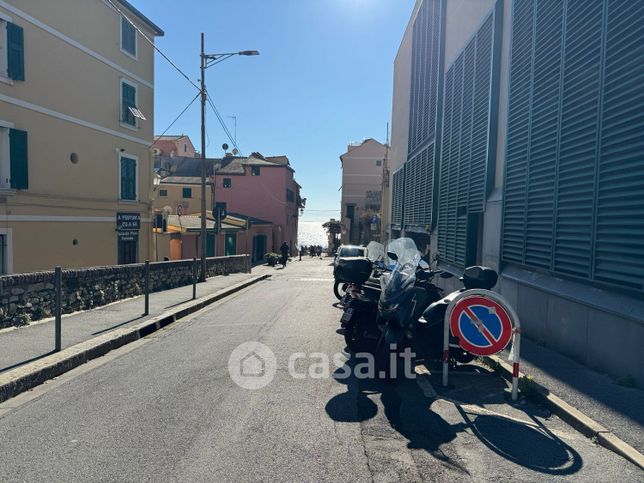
26	297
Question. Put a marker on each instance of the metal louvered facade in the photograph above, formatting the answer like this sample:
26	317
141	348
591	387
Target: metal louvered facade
417	196
397	188
574	183
467	154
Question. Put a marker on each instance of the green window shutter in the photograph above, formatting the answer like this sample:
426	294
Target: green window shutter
129	100
15	52
128	179
128	37
18	156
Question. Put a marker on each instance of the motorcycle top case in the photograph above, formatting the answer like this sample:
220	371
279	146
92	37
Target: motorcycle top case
353	270
479	277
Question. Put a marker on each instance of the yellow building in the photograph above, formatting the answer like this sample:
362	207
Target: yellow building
76	111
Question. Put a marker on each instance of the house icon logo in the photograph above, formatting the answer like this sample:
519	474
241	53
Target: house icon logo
252	365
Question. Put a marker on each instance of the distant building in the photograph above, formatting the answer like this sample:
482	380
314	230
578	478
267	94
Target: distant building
361	203
173	145
261	190
76	123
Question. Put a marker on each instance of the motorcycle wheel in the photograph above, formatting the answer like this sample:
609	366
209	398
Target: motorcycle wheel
386	369
339	288
356	337
463	357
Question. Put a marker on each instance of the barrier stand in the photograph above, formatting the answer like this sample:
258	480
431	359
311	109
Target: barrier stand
194	278
58	288
146	282
475	336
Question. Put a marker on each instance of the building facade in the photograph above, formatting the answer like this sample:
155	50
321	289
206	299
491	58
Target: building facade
537	164
362	180
173	145
76	110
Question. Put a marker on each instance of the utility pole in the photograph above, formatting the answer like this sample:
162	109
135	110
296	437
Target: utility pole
202	274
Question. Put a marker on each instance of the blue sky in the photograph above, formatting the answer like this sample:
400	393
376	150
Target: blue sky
324	78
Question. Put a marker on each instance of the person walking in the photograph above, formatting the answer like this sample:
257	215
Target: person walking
284	252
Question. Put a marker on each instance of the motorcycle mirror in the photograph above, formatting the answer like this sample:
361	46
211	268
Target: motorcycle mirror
393	256
445	275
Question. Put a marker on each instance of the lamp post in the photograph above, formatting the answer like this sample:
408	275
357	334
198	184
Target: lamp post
208	60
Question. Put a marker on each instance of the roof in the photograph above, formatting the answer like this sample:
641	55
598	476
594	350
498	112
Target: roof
189	222
170	137
188	166
183	180
251	219
151	25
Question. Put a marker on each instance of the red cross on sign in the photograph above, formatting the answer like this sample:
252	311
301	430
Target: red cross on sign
481	325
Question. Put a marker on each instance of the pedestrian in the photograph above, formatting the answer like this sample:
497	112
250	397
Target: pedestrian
301	250
284	252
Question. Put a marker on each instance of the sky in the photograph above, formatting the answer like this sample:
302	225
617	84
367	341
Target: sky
324	78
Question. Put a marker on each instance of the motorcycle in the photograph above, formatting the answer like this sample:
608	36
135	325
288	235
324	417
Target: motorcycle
406	292
360	305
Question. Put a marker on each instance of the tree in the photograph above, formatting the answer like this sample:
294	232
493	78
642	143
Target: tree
333	229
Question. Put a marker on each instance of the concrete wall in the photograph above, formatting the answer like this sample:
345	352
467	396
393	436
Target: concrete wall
30	296
399	116
70	103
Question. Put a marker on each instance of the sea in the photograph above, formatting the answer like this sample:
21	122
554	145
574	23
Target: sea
311	233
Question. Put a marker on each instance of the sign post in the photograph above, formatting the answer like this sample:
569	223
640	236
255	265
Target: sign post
483	322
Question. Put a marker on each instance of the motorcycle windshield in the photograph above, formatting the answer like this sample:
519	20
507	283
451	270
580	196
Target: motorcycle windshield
375	251
403	274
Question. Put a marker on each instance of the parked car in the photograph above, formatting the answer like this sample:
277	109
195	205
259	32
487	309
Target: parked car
349	251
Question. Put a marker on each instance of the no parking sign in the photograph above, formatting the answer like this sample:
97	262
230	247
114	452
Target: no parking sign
483	322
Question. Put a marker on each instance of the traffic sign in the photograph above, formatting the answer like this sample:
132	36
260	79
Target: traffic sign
483	322
481	325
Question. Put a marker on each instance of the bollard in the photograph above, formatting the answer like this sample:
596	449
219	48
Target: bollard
194	278
147	288
58	287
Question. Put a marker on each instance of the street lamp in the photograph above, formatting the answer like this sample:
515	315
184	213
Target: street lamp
208	60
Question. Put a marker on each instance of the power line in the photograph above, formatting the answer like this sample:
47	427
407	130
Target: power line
223	124
151	42
176	119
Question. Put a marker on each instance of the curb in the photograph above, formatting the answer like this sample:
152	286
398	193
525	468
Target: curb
575	418
28	376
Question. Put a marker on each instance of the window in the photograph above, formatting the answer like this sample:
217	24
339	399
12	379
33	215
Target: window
12	50
185	148
254	170
378	162
290	195
128	100
187	193
163	193
228	183
128	251
128	178
14	163
128	38
6	251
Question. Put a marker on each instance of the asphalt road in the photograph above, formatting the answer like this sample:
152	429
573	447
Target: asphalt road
166	409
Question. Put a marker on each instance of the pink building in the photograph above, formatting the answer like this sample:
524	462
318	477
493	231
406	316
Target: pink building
264	188
173	145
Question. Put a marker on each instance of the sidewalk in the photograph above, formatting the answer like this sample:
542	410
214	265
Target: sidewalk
620	409
25	344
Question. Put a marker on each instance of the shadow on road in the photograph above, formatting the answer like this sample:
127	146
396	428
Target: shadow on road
17	364
120	325
408	411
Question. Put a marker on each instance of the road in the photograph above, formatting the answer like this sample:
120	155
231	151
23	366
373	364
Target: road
165	408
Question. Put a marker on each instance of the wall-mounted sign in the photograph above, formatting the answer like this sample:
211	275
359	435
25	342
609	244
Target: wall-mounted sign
128	221
128	235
